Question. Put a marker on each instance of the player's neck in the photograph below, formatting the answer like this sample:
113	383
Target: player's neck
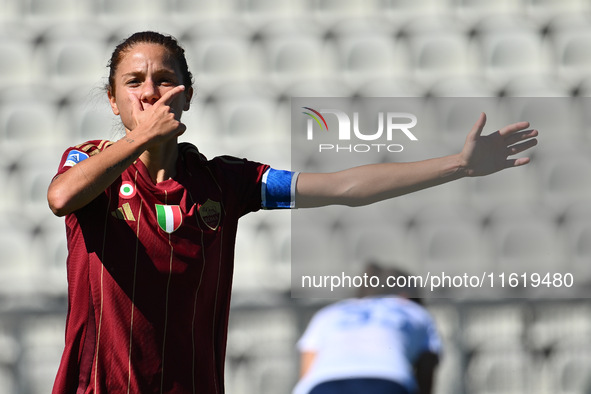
161	161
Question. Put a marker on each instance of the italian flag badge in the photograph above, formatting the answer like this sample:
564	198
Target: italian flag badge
169	217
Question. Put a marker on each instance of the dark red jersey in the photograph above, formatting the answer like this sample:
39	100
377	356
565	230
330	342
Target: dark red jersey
150	275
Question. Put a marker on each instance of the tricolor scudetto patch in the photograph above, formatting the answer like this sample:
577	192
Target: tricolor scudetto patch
169	217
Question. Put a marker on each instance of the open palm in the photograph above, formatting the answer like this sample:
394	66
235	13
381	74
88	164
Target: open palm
487	154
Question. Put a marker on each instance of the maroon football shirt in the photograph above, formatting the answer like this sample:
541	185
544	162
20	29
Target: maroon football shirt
150	274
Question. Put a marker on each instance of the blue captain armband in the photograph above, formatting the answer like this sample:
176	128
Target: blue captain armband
278	189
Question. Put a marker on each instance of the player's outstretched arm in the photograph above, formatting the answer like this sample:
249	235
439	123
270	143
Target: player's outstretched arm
481	155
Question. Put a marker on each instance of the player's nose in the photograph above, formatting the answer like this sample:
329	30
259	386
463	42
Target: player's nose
150	92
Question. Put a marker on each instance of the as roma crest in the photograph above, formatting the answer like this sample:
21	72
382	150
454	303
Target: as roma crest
210	212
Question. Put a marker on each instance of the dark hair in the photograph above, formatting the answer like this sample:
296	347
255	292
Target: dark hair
149	37
409	290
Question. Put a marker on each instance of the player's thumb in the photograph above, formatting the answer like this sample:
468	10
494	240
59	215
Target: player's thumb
181	129
478	126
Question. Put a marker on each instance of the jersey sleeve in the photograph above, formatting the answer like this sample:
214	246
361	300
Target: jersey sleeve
319	326
433	340
256	186
75	154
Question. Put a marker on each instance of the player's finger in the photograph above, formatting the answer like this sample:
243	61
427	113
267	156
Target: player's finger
513	128
181	129
520	136
171	94
518	148
478	126
136	104
516	162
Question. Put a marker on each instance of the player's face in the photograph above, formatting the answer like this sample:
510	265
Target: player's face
146	72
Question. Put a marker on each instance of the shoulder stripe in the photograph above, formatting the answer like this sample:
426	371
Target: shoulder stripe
104	144
92	149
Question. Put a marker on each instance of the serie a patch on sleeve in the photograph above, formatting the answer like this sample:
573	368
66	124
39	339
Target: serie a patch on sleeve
75	157
278	189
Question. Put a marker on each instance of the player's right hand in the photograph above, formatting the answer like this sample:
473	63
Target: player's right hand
160	121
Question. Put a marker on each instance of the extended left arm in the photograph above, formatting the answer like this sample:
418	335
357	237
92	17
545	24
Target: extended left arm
481	155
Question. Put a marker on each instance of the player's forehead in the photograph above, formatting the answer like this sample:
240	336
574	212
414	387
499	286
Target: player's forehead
147	56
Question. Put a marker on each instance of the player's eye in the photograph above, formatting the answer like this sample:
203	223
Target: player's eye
168	81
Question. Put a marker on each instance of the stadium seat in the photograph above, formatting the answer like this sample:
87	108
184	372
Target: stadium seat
472	12
295	56
222	58
86	115
16	61
43	344
577	232
527	243
387	244
544	11
336	9
27	121
439	53
559	325
489	327
136	9
463	86
448	375
187	12
49	252
203	126
564	178
507	371
368	55
456	249
40	14
391	87
118	28
559	119
537	86
260	12
15	267
261	350
245	119
569	369
487	194
73	62
451	242
8	381
9	175
409	11
512	54
572	54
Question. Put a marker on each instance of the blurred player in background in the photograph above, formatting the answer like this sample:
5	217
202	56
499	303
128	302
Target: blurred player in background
383	342
151	226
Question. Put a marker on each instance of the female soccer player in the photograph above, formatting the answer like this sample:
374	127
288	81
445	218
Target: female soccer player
151	226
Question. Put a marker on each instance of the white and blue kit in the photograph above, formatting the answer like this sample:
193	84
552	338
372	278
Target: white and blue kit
375	337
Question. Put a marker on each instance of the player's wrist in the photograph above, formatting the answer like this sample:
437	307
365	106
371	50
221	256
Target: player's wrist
458	166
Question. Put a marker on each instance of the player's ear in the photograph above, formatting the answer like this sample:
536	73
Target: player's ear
113	102
188	96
